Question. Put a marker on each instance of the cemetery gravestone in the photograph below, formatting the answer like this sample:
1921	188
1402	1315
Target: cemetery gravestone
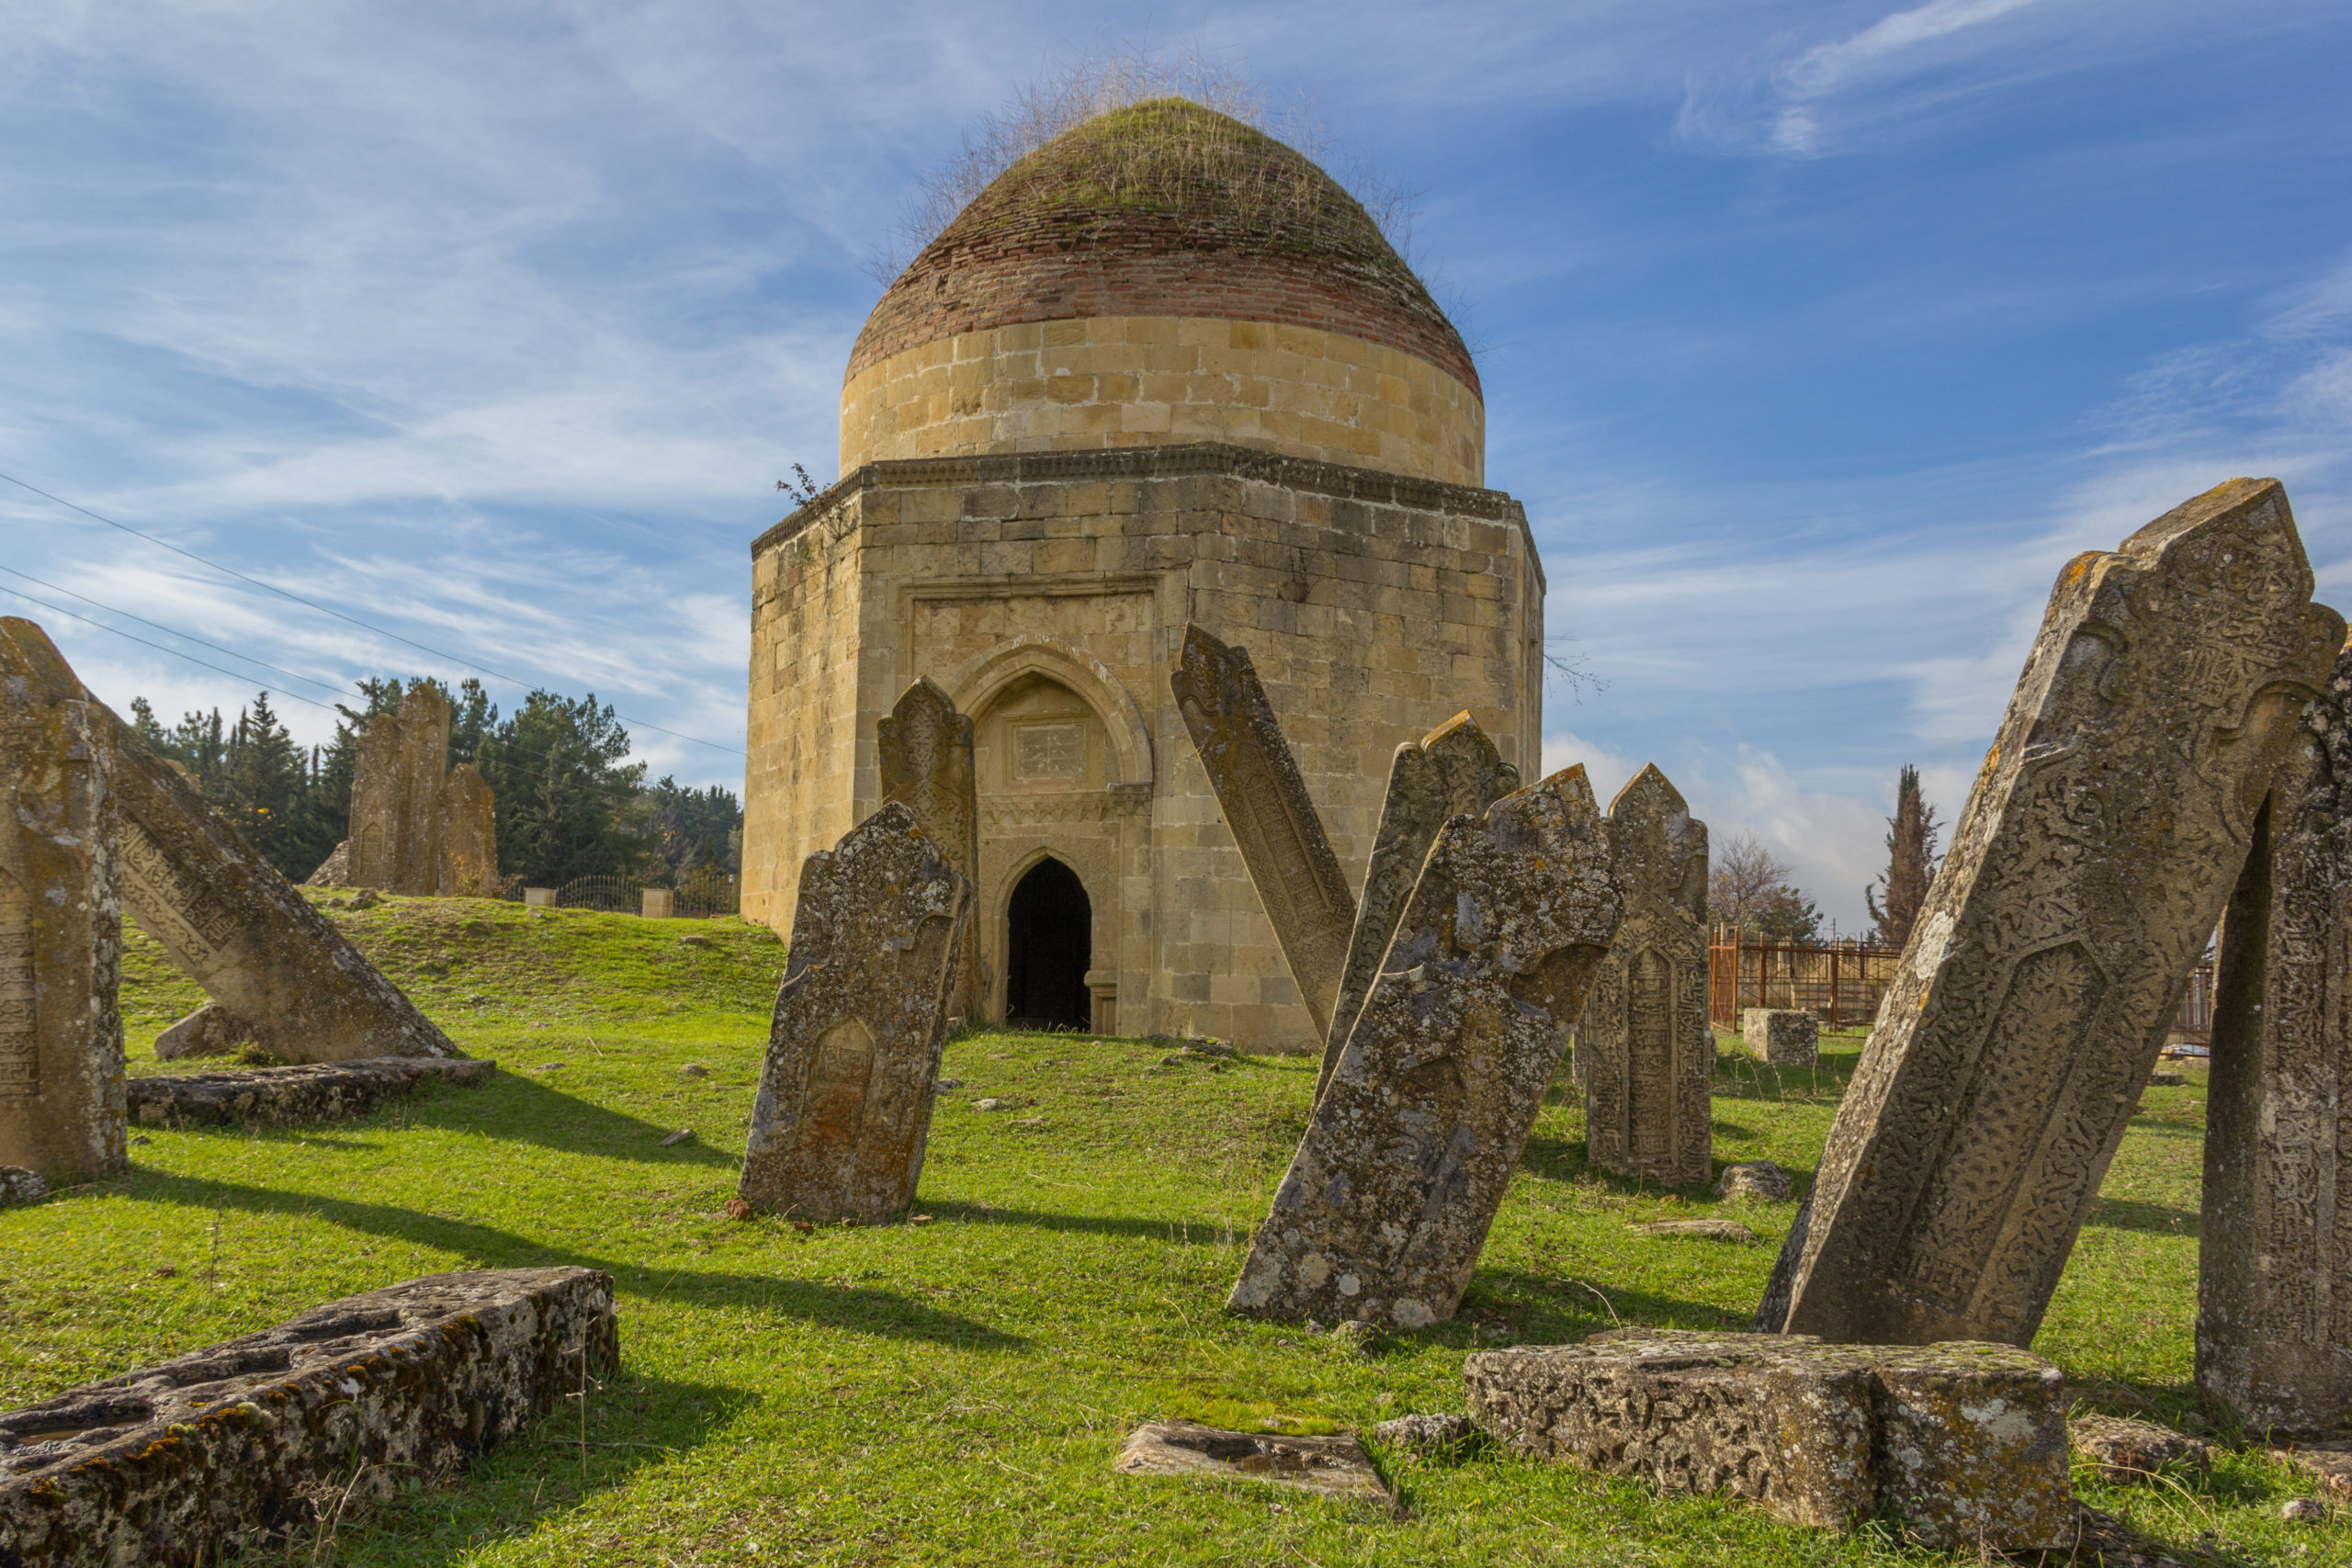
2105	831
276	966
2274	1278
466	865
1648	1055
1452	772
61	923
1785	1037
1273	822
844	1103
925	751
1410	1146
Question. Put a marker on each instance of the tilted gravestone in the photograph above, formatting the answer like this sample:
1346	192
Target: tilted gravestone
278	968
1452	771
925	751
2106	828
61	922
1413	1141
1650	1056
2274	1276
844	1103
1267	808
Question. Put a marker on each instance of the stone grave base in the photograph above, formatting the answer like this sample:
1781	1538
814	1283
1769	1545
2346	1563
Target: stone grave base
1786	1037
278	1097
1964	1443
169	1463
1332	1467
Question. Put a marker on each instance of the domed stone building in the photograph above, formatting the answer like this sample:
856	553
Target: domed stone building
1164	369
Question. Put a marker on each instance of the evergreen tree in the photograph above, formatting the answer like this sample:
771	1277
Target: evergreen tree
691	830
1895	900
474	722
260	785
564	795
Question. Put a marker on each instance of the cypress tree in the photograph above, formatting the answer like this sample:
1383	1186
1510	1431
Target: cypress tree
1895	900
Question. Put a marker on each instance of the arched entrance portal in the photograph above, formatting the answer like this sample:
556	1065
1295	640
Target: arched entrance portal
1049	946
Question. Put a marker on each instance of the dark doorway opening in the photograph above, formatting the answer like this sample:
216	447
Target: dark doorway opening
1051	947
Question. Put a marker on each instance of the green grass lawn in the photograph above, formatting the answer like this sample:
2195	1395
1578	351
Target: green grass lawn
955	1390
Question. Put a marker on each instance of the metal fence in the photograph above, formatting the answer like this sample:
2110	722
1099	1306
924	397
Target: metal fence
706	893
613	895
1838	982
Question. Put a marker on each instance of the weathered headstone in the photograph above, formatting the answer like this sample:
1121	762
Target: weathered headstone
844	1103
2107	824
1273	820
1965	1442
1453	770
1784	1037
175	1462
1650	1058
1414	1139
466	863
61	922
2274	1278
925	751
273	963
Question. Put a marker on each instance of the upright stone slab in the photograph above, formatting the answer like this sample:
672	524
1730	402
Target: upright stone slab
276	966
1784	1037
1648	1055
844	1100
1452	772
1265	804
61	923
1414	1137
467	855
2274	1276
2097	848
925	749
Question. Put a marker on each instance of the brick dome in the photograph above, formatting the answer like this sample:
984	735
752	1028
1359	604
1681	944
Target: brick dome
1164	272
1164	208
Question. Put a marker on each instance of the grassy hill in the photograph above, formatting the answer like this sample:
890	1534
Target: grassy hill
954	1391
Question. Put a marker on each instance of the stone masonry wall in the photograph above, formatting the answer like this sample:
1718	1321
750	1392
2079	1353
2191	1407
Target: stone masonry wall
1145	381
1374	607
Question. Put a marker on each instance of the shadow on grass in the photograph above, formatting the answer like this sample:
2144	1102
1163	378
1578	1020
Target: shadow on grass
1176	1233
2130	1214
1567	1159
861	1311
1743	1077
1552	1309
512	1106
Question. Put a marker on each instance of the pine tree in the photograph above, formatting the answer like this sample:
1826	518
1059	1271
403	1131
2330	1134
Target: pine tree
563	793
1895	900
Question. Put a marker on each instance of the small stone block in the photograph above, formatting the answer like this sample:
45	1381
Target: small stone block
1426	1433
18	1185
1786	1037
1755	1178
2127	1451
167	1463
1965	1442
1330	1467
2329	1464
1706	1230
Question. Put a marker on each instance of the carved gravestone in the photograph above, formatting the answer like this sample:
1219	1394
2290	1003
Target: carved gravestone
2274	1276
1648	1055
844	1101
277	969
925	748
2106	828
61	923
1453	770
466	859
1273	822
1413	1141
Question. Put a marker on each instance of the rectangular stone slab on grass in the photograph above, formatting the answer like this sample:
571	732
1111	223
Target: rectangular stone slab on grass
843	1110
169	1464
1785	1037
1329	1466
2107	824
1413	1141
1964	1443
284	1096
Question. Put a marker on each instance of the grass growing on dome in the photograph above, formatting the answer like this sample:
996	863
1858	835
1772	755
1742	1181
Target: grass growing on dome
952	1392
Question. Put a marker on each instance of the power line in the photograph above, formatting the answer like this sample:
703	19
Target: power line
174	631
325	610
156	646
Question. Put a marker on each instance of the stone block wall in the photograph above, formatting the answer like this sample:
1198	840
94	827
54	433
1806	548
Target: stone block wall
1048	593
1145	380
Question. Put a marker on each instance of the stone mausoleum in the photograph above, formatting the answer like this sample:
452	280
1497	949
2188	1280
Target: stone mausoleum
1164	369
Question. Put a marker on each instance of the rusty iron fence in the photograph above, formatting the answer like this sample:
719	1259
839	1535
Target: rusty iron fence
1840	982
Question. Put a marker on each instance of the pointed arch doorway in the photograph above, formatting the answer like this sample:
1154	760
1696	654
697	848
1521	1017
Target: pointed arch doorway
1049	945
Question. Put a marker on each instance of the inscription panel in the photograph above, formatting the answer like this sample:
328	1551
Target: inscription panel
1048	752
19	1020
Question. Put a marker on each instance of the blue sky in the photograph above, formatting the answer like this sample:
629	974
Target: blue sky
1815	338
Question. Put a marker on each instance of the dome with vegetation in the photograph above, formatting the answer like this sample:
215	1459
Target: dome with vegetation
1164	207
